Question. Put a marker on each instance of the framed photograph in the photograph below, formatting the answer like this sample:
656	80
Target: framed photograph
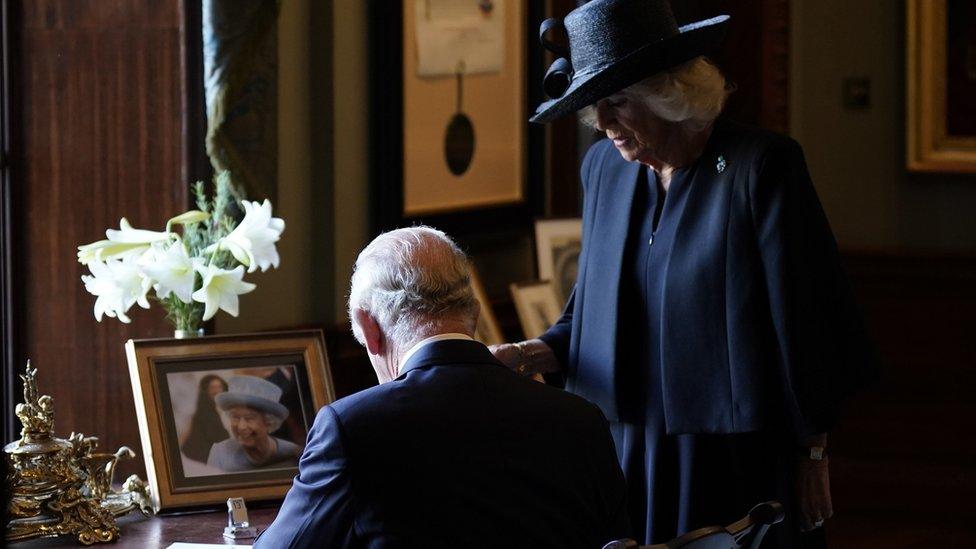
941	80
226	416
537	306
450	105
558	243
488	331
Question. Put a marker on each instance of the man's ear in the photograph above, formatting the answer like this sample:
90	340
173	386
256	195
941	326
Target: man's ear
375	340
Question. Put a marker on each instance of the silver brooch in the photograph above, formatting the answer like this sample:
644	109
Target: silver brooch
720	164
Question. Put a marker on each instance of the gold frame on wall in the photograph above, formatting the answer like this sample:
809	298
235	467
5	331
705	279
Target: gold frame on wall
496	105
147	360
929	147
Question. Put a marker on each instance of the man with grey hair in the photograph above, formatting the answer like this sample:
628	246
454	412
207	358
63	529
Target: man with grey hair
452	448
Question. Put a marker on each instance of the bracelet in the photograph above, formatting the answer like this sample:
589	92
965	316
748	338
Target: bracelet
815	453
523	367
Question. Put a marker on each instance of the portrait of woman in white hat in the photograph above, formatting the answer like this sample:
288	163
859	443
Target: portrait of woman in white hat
252	411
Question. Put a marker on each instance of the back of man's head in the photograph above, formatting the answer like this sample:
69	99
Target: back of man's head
414	282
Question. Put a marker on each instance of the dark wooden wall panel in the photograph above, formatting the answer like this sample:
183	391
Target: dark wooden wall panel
100	136
902	459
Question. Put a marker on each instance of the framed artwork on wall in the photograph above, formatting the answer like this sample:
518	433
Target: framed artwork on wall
449	112
537	306
558	243
226	416
941	82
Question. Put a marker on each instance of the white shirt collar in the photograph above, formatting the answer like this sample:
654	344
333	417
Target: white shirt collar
439	337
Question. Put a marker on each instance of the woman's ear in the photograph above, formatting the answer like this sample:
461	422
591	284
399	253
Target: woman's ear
375	339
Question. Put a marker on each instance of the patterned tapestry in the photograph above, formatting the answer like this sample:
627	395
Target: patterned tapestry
240	58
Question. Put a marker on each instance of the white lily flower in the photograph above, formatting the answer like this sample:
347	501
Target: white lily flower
134	236
191	216
121	243
253	241
118	284
106	249
172	269
220	289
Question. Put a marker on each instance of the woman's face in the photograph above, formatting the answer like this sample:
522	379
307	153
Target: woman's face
639	134
214	388
248	426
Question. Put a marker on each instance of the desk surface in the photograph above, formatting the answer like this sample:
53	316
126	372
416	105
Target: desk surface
148	533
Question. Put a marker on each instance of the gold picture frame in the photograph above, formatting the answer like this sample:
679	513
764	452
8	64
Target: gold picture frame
173	381
933	100
495	104
488	330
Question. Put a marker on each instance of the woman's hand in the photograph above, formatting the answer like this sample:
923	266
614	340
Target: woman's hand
507	354
813	492
526	357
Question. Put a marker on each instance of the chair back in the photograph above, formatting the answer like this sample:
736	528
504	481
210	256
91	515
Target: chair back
747	532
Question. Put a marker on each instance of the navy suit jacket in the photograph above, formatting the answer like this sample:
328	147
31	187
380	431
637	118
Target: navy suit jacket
456	452
759	326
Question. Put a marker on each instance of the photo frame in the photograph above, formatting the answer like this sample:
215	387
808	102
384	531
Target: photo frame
488	331
941	94
414	119
537	306
475	121
226	416
558	244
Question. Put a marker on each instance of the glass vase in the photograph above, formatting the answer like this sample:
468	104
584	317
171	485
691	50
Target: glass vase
187	334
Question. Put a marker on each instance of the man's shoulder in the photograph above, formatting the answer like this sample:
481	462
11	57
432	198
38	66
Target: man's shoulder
374	403
566	404
363	400
559	406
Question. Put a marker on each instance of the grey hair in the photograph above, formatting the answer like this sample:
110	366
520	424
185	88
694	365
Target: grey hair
409	280
692	94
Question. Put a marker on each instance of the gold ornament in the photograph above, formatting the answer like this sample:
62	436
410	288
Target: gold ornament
63	487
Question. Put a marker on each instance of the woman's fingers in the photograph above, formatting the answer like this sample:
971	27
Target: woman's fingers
813	493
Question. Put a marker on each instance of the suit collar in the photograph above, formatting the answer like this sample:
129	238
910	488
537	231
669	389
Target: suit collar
452	351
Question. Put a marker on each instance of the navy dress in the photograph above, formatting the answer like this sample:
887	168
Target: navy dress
714	348
678	483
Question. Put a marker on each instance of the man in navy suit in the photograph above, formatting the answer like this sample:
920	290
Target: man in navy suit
452	449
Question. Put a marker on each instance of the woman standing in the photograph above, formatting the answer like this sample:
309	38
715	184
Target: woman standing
711	320
205	426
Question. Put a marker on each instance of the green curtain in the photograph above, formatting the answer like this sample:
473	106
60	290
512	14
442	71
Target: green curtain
240	57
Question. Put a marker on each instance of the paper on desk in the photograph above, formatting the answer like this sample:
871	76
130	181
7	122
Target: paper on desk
449	32
181	545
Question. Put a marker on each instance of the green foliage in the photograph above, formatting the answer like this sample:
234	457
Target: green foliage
221	207
197	237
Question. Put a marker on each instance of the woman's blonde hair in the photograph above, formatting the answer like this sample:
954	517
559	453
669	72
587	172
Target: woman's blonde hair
692	94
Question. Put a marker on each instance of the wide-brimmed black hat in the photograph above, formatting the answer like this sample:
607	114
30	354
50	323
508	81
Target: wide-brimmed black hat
616	43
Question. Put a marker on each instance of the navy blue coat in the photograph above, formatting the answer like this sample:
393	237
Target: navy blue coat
456	452
759	326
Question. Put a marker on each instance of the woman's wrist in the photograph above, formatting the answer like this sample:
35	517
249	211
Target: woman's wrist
814	447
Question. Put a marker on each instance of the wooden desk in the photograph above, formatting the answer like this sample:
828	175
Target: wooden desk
157	532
